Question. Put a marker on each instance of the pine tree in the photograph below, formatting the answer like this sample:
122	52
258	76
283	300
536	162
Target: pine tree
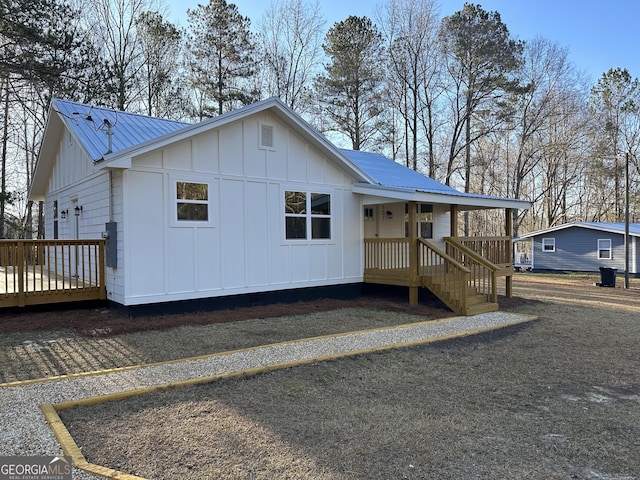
615	106
481	57
222	48
351	89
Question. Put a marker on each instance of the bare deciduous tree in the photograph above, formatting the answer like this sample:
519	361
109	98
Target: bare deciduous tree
410	31
161	43
291	39
113	24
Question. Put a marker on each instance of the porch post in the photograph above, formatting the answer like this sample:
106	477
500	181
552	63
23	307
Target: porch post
413	254
508	226
19	262
453	219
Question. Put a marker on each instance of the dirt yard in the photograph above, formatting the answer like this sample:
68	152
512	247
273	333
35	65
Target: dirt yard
554	399
59	342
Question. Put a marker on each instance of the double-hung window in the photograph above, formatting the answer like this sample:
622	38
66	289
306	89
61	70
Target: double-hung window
548	244
192	202
604	249
307	215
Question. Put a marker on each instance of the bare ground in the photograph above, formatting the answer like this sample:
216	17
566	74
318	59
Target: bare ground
38	344
555	399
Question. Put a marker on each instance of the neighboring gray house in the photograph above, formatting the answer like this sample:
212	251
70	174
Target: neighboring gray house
578	247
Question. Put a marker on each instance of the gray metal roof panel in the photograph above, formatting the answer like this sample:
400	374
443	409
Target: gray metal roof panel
615	227
88	123
388	173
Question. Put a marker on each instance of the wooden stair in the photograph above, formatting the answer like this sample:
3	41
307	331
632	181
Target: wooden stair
478	303
475	302
459	276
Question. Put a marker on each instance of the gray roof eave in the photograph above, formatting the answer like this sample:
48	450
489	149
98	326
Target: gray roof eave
605	227
466	201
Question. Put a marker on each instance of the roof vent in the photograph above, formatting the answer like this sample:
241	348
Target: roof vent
266	136
109	127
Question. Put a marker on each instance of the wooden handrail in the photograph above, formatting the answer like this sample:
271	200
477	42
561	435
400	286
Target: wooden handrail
443	275
483	272
498	250
468	251
443	254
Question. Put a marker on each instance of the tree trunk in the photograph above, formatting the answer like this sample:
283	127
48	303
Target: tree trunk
467	157
5	134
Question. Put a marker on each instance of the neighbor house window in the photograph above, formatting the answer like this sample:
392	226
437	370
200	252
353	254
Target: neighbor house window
307	215
192	202
548	244
604	249
424	219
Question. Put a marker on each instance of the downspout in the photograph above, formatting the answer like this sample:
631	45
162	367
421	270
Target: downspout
110	214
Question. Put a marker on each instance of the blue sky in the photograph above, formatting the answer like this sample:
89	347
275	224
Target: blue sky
600	34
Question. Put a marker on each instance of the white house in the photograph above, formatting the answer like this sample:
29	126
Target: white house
246	203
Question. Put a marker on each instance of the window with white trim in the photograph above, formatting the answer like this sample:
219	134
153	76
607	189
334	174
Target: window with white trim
604	249
548	244
192	202
424	220
368	214
307	215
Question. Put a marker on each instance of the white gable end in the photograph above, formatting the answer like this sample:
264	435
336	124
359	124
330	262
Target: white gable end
242	246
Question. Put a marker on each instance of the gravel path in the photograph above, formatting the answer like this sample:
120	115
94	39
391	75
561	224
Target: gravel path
24	430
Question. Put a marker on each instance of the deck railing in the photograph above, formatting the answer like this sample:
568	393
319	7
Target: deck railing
50	271
386	254
389	261
498	250
483	273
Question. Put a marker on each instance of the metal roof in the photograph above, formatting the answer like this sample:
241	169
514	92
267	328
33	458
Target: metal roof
377	175
388	173
610	227
90	126
395	176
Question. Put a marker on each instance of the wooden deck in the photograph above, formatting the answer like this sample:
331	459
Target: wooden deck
34	272
460	276
463	276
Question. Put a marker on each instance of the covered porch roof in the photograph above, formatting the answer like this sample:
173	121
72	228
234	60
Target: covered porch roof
395	182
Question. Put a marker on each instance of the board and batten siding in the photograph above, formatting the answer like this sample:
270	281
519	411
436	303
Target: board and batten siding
242	248
576	249
389	222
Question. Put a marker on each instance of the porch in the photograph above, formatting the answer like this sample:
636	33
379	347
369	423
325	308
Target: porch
34	272
463	274
464	280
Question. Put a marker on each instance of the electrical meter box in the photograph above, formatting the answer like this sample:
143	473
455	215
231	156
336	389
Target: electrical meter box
111	244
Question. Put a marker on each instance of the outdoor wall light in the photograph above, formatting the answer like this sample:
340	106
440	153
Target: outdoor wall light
389	214
64	214
78	210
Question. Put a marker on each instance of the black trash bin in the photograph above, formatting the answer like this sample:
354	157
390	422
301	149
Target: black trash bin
607	277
